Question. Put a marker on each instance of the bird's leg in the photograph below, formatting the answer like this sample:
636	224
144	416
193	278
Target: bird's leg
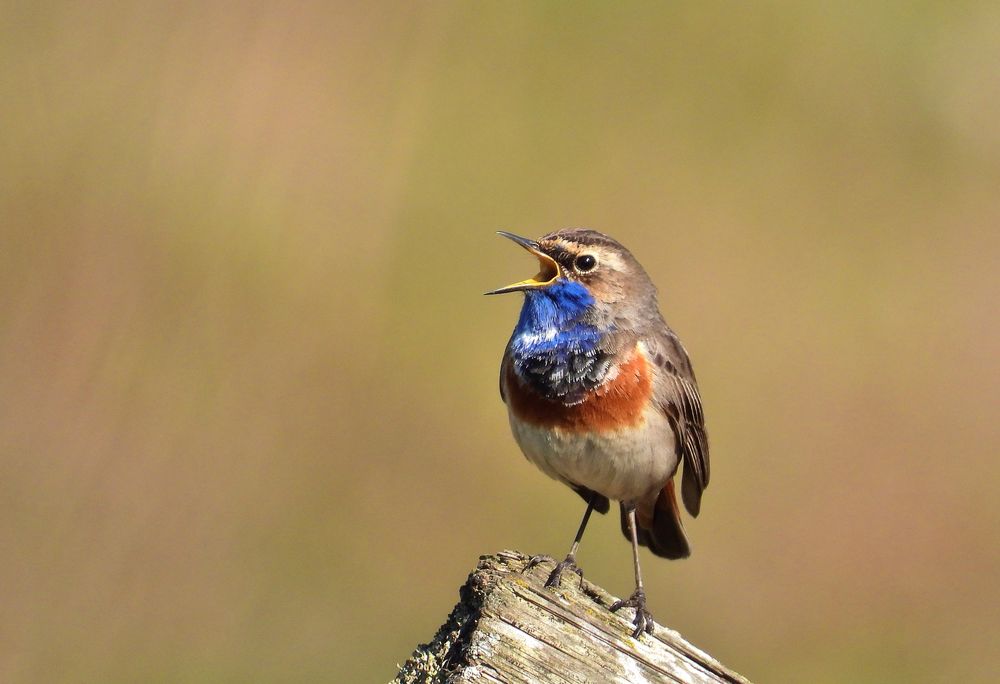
643	620
569	563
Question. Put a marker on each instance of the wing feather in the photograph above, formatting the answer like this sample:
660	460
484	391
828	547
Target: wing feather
677	393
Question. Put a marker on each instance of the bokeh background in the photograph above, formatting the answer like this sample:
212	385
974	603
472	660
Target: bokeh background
249	424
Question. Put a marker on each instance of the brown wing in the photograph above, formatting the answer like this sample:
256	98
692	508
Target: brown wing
677	394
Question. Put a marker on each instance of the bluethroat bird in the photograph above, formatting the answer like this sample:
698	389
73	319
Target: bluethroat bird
601	396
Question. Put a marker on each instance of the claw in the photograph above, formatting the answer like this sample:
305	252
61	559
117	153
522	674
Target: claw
536	560
643	619
555	577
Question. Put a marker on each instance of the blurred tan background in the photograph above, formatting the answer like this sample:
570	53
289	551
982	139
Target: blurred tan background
249	424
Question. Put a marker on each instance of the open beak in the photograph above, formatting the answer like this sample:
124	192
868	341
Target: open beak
548	268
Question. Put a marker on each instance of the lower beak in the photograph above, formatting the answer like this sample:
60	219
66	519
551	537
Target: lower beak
548	268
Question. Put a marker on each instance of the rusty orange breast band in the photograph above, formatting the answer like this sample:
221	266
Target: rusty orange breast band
618	403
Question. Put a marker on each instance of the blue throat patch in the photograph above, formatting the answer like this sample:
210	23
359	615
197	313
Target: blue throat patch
553	349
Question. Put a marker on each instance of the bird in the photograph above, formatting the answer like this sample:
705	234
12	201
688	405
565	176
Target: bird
601	396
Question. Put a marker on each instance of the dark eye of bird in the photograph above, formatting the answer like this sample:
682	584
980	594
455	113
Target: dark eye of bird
585	262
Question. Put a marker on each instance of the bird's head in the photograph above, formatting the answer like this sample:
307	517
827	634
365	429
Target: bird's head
584	273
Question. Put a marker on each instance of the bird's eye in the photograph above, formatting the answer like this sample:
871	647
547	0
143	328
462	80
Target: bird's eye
585	262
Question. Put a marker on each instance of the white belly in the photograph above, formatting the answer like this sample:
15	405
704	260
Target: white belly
624	465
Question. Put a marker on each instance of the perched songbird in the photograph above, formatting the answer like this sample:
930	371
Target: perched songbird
601	395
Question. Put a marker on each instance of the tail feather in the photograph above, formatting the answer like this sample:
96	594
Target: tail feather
660	529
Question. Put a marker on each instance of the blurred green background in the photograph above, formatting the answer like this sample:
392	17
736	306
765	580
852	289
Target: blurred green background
249	424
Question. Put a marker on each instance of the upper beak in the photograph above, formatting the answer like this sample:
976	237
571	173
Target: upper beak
547	273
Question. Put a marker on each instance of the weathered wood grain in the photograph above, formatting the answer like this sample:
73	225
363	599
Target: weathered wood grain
508	628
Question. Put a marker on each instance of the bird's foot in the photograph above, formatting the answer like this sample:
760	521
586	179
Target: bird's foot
555	577
643	620
537	560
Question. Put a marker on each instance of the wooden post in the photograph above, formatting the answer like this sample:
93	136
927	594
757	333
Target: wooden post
508	628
